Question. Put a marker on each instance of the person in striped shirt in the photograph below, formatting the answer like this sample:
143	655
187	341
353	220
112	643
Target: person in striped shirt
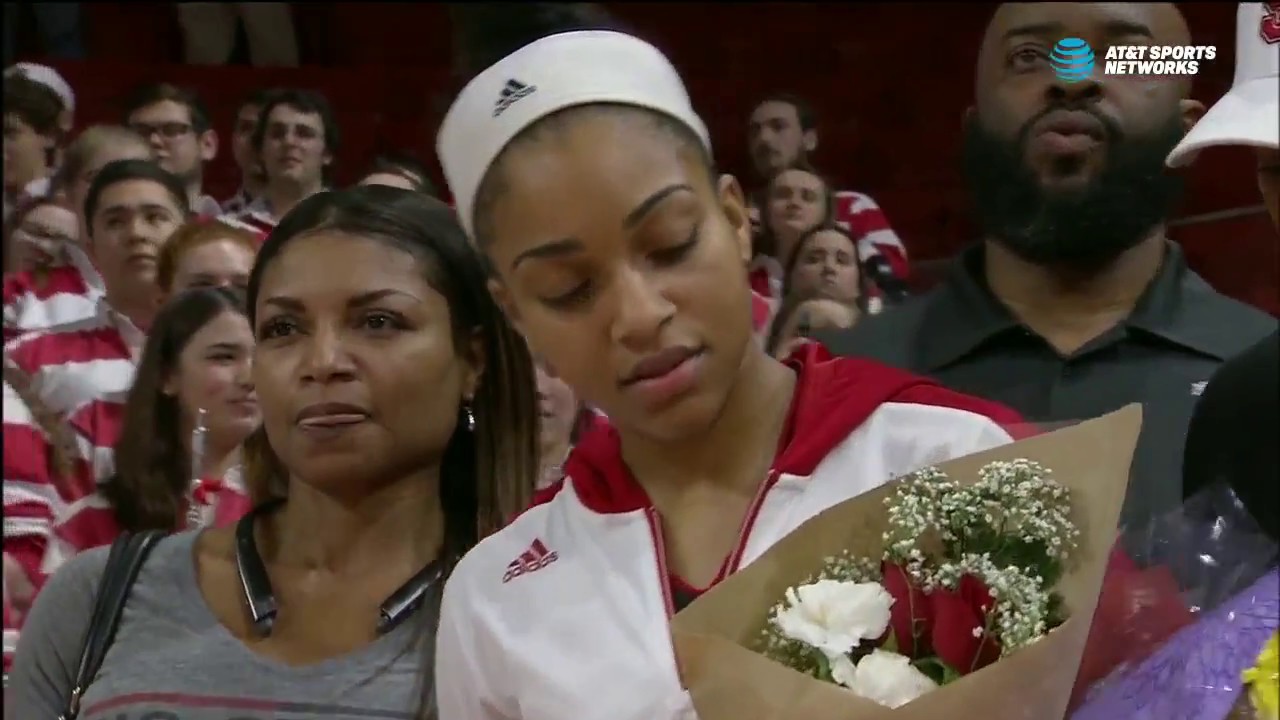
65	383
68	291
783	132
296	140
194	373
191	406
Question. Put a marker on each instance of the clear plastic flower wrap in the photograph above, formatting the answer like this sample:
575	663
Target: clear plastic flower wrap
1185	610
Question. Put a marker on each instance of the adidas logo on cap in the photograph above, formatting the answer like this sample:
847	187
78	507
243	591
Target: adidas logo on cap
513	91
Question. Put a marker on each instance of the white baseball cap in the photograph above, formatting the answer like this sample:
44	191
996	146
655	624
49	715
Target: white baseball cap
1249	114
50	78
551	74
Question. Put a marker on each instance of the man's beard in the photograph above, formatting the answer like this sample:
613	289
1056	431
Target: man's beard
1082	228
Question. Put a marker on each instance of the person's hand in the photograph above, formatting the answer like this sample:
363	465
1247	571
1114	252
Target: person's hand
38	254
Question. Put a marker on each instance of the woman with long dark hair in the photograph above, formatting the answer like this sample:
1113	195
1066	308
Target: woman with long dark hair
398	428
579	167
824	263
824	289
191	406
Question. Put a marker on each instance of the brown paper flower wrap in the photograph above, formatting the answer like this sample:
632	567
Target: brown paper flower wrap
729	681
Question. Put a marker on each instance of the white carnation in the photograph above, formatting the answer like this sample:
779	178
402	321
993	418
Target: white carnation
889	679
834	616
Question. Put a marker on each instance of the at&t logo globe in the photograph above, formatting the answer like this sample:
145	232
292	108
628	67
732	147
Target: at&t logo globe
1072	60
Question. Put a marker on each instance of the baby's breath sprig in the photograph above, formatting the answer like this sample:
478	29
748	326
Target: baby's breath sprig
847	567
916	509
1026	518
1016	512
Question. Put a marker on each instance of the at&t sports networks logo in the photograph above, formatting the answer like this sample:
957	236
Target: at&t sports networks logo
1073	60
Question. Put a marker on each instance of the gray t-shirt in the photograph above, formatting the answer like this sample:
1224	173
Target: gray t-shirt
172	659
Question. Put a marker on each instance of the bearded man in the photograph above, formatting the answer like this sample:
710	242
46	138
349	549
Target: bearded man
1075	303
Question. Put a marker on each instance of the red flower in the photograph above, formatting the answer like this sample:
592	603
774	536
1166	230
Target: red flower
959	626
910	616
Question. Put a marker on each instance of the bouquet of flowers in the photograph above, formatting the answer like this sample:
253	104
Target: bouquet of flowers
1194	603
967	577
972	596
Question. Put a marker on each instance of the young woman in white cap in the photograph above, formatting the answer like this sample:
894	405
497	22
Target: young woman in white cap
1232	433
580	168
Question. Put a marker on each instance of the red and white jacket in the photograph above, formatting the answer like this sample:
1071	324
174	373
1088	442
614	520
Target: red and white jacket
867	223
565	612
62	295
81	372
90	522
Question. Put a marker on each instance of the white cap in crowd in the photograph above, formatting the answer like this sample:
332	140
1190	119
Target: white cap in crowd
1249	114
551	74
48	77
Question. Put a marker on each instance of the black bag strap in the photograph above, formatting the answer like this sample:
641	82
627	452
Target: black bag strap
127	554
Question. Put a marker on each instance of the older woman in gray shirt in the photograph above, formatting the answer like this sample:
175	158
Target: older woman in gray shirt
399	428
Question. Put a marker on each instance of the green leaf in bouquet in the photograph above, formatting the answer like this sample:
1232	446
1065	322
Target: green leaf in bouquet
891	642
937	670
1033	555
978	539
1057	612
822	666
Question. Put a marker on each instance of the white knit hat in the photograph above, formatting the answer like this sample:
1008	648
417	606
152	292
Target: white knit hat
551	74
1249	114
48	77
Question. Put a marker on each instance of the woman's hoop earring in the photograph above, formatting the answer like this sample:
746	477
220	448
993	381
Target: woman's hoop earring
471	418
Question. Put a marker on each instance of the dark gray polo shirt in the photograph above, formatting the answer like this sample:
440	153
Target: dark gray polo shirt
1161	356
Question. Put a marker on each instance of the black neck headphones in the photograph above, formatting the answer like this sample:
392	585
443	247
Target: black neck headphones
261	600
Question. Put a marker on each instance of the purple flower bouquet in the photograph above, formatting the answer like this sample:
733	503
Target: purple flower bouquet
1226	568
1196	674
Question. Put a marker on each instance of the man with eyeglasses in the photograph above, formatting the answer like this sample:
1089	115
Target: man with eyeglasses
176	123
296	141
